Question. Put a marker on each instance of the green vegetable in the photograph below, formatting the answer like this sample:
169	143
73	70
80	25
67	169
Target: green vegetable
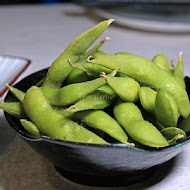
60	69
143	70
51	123
166	110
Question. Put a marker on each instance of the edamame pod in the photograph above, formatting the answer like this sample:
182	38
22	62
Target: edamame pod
71	93
125	87
143	70
30	128
147	98
91	68
179	68
174	133
166	110
77	75
18	93
13	108
40	82
146	134
99	99
96	69
125	112
102	121
60	69
159	126
178	71
53	124
130	118
161	61
95	50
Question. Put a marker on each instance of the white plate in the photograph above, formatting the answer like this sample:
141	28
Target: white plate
11	68
152	21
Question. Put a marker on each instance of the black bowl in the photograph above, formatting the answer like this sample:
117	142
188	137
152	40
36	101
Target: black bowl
97	165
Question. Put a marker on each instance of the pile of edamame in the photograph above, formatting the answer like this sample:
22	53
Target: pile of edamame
88	96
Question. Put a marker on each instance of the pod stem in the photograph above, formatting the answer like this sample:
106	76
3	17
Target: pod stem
114	72
71	64
103	75
71	108
177	137
130	144
105	39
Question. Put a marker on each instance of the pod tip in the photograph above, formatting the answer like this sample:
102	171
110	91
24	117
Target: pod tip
110	21
105	39
8	85
103	75
180	57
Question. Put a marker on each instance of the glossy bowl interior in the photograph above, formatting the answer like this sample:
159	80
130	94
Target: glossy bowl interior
98	165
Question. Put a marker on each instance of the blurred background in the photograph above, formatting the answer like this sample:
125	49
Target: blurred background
6	2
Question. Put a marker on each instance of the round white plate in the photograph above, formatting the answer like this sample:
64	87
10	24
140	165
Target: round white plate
152	21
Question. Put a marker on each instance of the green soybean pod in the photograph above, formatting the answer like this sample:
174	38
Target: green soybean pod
161	61
130	118
147	98
166	110
71	93
147	134
19	94
13	108
174	133
178	71
60	69
99	99
40	82
179	68
94	50
100	120
96	69
159	126
143	70
125	87
126	112
30	128
68	94
53	124
91	68
77	75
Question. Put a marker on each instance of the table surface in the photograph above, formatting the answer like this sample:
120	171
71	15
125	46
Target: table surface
40	33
